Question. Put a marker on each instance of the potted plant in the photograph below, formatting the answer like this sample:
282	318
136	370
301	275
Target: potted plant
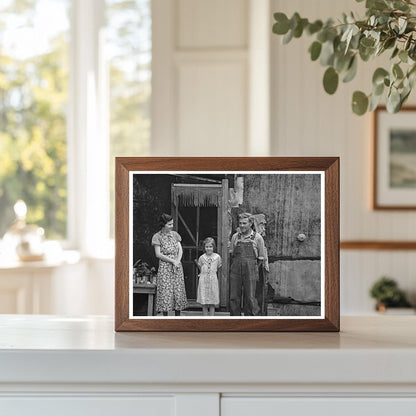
143	273
387	294
389	27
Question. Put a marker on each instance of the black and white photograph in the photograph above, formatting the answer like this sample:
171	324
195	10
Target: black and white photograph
226	244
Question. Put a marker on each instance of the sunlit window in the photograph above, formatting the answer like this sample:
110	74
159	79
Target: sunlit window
129	46
33	101
48	140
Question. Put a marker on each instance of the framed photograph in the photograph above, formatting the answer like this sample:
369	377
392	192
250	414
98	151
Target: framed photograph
394	180
227	244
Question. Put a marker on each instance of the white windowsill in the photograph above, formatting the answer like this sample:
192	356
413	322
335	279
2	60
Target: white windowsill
65	257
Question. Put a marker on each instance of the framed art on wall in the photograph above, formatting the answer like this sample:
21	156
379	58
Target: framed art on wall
227	244
394	178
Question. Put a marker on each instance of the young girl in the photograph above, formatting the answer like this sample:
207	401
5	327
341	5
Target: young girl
208	264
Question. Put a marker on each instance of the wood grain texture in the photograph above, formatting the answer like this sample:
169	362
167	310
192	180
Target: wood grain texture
121	244
330	165
332	224
378	245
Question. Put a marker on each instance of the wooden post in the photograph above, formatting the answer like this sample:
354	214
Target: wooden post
224	232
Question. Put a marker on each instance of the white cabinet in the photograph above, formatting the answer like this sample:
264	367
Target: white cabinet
88	406
79	366
270	406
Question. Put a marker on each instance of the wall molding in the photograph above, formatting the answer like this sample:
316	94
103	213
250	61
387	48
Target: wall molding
378	245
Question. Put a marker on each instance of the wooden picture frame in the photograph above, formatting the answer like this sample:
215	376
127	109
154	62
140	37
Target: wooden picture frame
298	194
394	154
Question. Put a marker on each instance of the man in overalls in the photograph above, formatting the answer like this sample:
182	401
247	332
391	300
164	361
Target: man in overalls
247	253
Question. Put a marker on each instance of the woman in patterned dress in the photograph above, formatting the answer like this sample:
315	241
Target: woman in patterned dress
170	293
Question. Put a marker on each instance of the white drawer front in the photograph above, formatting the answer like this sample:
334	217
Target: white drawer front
87	406
271	406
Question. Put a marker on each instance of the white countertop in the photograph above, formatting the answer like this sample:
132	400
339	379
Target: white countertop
53	349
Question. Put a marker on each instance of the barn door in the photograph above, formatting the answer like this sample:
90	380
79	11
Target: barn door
198	212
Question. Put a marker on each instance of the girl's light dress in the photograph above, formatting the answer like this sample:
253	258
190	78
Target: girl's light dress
208	292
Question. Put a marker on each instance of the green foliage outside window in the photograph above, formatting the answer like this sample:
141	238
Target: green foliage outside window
34	103
33	99
129	40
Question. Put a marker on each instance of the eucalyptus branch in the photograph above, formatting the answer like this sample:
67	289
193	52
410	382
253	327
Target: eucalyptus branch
388	26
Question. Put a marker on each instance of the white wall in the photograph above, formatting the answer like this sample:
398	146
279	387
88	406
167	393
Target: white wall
308	122
211	92
202	81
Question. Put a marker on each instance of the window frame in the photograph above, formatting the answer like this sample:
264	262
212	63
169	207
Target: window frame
88	133
87	128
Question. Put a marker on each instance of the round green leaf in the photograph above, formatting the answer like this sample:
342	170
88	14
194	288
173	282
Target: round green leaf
327	53
314	27
332	33
351	71
411	77
281	26
397	71
298	30
403	96
359	103
393	101
378	90
342	61
411	74
395	52
367	42
403	56
366	53
399	4
355	41
322	36
389	43
294	20
374	102
315	50
288	37
379	75
376	4
330	80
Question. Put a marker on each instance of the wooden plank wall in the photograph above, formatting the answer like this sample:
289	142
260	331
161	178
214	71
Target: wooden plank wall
292	206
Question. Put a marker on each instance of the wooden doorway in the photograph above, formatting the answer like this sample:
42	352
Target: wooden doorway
200	211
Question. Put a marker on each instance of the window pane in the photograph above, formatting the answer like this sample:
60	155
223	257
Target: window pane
129	46
33	100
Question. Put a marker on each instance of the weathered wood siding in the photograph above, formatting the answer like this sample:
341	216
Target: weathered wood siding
292	205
